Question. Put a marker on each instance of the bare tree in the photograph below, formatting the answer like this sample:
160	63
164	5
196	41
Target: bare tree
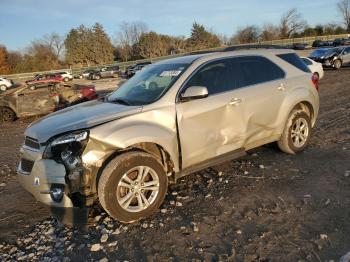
291	22
344	10
269	32
129	35
248	34
55	42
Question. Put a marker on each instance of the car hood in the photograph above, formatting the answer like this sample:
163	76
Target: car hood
325	55
82	116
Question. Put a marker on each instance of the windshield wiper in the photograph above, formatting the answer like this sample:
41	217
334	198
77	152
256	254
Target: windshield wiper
120	101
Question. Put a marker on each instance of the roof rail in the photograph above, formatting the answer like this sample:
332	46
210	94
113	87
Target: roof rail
244	47
203	52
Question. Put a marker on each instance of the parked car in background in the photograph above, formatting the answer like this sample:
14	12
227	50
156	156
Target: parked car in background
23	101
332	57
341	42
44	80
321	43
132	70
315	67
171	119
66	76
300	46
85	74
5	84
105	72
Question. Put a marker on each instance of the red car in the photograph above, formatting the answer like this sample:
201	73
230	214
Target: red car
44	80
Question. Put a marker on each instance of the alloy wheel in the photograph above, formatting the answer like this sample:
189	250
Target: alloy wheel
138	189
300	132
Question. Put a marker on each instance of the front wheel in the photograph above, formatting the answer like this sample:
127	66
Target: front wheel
3	88
132	186
296	133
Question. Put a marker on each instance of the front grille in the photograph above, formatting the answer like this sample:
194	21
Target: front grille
27	165
31	142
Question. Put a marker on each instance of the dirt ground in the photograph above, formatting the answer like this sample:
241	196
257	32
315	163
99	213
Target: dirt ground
267	206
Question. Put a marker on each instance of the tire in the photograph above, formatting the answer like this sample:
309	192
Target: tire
337	64
123	171
3	88
97	77
293	141
7	114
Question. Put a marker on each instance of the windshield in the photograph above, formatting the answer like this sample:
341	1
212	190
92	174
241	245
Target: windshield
147	85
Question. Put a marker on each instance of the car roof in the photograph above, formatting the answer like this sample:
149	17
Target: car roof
191	58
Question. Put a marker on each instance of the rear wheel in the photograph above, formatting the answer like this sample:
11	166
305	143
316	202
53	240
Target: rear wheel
337	64
6	114
297	132
132	186
97	77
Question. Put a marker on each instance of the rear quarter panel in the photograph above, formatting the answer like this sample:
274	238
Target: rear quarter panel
299	89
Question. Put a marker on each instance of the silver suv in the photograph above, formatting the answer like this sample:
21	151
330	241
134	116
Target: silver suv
171	119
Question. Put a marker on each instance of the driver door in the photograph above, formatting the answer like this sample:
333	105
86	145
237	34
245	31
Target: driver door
215	125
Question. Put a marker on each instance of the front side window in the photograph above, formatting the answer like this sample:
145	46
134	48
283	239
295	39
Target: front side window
215	76
148	85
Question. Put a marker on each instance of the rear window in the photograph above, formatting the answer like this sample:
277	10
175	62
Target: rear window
294	60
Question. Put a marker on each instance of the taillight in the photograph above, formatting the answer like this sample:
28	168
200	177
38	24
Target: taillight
314	80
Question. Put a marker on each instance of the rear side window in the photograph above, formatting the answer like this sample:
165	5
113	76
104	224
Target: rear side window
306	61
294	60
257	70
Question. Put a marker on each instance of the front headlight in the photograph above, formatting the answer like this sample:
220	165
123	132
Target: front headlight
67	149
74	137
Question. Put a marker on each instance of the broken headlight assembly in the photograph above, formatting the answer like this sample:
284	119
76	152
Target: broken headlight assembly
67	149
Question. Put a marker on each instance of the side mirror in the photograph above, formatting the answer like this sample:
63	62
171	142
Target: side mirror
194	92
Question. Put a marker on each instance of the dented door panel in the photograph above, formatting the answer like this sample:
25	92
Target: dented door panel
209	127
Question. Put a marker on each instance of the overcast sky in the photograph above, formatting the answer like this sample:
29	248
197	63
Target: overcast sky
22	21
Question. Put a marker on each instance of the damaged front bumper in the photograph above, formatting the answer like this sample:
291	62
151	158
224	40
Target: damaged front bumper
40	177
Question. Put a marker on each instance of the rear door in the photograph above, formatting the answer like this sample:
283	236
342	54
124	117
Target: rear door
262	93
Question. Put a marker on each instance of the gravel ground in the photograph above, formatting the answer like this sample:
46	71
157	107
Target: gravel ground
267	206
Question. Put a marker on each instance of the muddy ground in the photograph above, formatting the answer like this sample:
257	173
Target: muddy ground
267	206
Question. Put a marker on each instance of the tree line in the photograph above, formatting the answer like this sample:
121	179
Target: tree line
90	46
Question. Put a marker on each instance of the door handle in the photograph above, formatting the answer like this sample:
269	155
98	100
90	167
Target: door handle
235	101
281	87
